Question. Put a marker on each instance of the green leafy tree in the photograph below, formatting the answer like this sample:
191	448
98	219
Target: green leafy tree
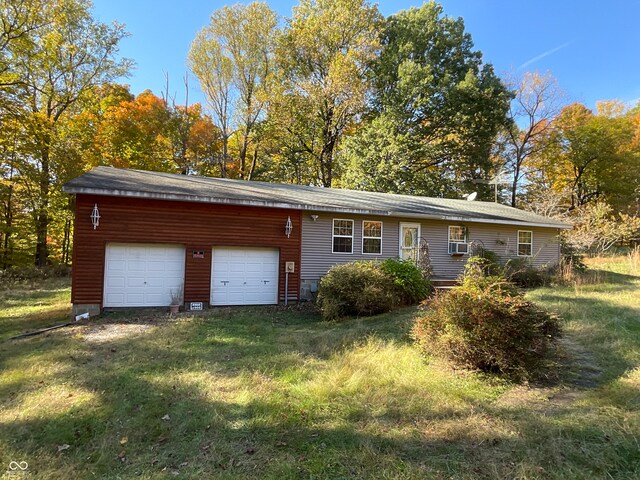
590	156
440	106
233	59
214	70
18	20
321	85
55	65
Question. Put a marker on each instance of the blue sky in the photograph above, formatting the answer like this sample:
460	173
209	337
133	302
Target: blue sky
592	47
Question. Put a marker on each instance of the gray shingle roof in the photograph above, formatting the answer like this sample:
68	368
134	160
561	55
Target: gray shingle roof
168	186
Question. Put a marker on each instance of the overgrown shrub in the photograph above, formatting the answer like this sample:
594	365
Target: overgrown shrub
571	259
409	281
521	272
482	266
356	288
491	258
30	273
369	288
487	324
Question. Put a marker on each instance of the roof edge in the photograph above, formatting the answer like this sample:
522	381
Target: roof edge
460	218
304	207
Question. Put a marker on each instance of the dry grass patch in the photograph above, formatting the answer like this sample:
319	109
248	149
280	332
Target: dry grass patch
276	393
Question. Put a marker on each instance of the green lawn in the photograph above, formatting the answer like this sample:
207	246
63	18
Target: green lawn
274	393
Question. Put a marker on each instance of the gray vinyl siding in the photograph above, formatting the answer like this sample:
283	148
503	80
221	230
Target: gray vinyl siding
317	256
501	239
317	246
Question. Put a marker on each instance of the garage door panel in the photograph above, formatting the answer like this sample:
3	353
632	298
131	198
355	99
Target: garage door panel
134	299
155	282
156	266
142	275
172	282
117	252
235	298
237	267
117	298
136	266
135	282
255	267
156	298
117	265
118	282
244	276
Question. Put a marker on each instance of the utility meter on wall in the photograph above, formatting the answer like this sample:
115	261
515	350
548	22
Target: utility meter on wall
290	267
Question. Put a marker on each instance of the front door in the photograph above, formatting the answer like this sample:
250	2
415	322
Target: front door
409	238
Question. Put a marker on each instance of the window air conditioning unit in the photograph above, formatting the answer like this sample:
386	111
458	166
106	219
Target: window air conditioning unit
458	248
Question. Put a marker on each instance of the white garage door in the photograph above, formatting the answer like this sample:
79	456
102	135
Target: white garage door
142	275
244	276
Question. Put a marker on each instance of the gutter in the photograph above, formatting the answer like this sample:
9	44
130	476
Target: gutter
453	218
302	207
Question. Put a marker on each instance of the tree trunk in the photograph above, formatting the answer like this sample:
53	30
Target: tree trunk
243	155
329	169
225	149
514	187
66	244
8	224
326	162
253	163
42	215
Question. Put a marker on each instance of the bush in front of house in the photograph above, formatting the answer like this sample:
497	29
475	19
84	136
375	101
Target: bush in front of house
409	282
521	272
488	325
370	288
355	288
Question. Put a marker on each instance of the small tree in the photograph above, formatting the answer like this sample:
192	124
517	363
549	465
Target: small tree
597	228
233	59
537	102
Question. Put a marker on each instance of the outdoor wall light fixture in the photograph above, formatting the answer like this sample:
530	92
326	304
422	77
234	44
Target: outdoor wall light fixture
95	216
288	227
314	218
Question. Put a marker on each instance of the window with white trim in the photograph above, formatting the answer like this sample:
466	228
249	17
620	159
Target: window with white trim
525	243
458	244
342	236
371	237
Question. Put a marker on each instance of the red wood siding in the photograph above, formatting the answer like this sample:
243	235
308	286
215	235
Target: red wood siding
197	226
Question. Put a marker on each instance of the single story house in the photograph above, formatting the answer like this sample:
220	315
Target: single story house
142	237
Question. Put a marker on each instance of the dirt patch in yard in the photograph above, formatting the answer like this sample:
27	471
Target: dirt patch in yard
110	327
112	331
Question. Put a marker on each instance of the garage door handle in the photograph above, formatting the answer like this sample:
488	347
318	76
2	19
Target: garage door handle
225	282
265	281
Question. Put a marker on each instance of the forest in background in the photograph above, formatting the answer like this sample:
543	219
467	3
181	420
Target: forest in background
335	96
